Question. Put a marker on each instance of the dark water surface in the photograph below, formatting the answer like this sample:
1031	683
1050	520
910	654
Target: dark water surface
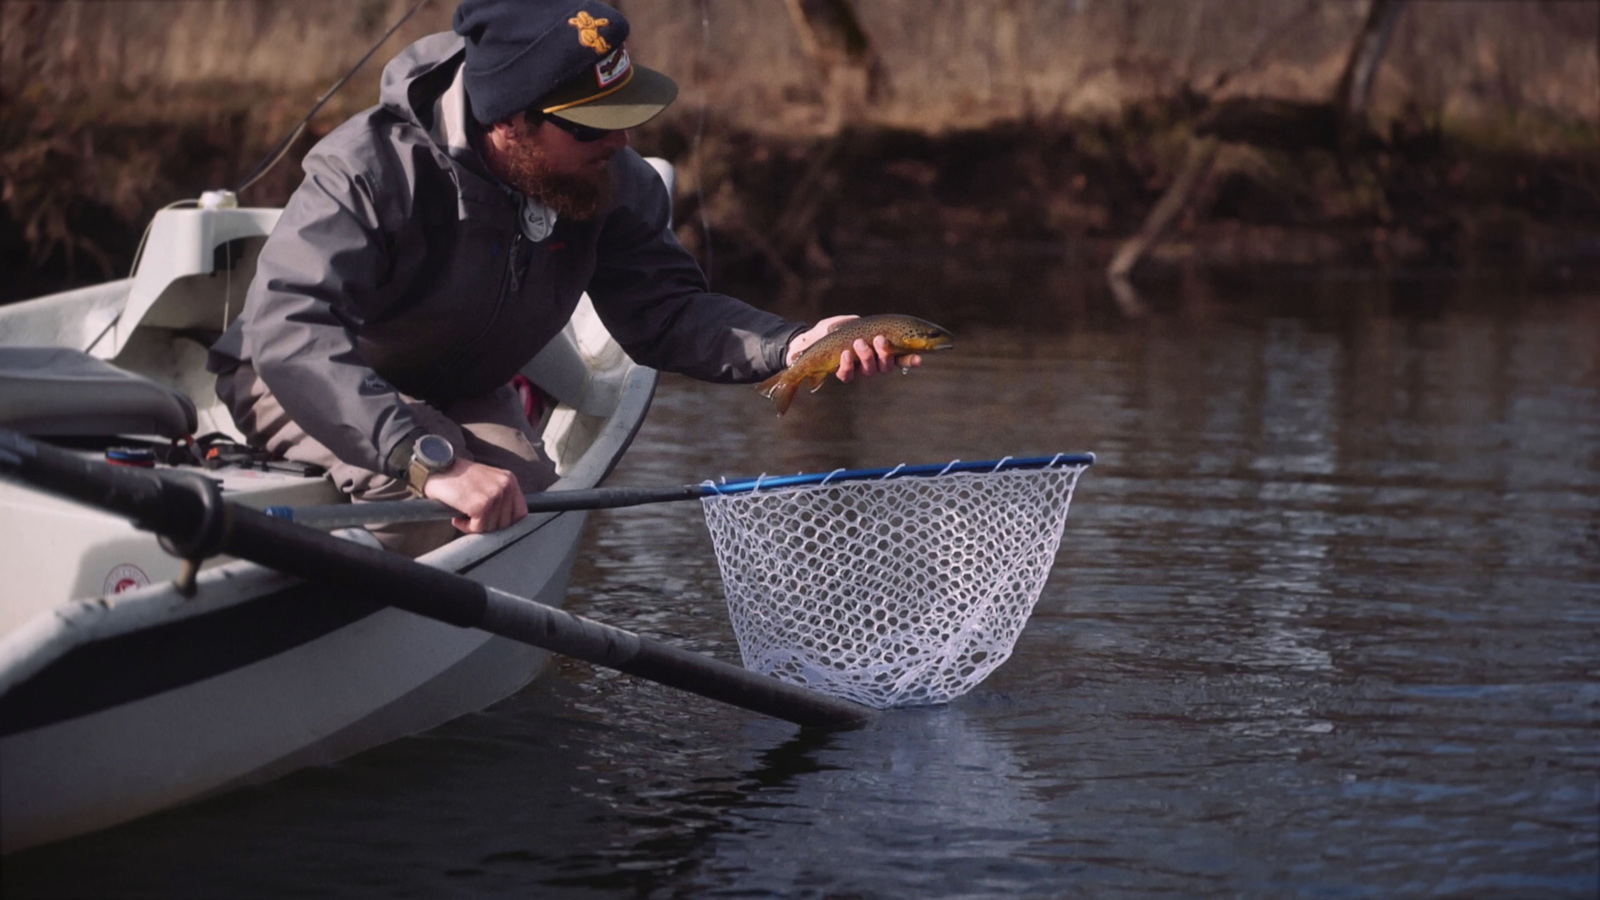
1325	623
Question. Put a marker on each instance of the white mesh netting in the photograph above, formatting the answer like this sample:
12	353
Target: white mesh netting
889	592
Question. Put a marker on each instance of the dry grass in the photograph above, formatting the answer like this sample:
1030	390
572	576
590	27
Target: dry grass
1061	117
950	63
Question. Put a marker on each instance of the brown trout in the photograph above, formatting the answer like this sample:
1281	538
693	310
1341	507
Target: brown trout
905	334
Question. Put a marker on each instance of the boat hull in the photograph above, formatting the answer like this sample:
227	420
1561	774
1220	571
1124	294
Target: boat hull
320	693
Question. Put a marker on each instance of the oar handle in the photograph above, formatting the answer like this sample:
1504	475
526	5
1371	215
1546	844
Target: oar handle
178	510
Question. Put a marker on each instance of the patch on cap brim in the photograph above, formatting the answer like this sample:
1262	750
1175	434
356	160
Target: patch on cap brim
641	95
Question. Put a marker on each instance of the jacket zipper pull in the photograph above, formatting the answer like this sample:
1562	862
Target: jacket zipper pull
513	260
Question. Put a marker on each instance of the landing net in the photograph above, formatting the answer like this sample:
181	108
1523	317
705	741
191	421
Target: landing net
901	588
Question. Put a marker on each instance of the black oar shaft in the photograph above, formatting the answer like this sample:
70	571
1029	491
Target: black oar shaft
177	509
354	568
614	648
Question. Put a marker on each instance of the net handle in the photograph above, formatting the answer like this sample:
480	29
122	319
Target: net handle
932	470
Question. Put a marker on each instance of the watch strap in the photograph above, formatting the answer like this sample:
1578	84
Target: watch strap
417	476
399	459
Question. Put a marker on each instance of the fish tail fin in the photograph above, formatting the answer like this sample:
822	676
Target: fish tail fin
779	390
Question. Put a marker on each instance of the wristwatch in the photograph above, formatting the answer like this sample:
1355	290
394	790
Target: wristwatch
430	454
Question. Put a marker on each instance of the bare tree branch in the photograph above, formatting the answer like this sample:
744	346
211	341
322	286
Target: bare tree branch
1355	84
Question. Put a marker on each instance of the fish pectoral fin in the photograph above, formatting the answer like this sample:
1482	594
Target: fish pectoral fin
815	382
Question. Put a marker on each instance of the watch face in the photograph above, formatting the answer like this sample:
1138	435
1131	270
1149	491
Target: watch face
434	452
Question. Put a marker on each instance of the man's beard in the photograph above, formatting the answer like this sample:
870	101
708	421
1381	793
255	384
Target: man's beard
574	196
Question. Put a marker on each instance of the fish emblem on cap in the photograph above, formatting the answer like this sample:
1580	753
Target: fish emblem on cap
589	32
612	67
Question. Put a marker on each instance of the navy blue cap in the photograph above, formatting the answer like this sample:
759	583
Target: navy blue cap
566	55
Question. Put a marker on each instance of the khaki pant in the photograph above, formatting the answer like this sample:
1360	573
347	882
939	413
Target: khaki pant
490	429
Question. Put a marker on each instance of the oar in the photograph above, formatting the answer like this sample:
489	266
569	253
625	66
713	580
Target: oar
346	515
195	522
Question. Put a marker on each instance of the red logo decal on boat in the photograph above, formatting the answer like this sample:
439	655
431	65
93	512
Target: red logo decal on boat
125	577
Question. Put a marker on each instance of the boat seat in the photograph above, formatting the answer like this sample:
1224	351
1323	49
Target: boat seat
61	392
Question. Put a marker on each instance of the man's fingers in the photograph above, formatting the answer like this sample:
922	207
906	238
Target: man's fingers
487	498
816	333
873	359
868	356
503	509
885	355
497	513
514	506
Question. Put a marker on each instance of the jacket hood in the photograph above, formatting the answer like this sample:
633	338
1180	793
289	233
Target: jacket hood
414	79
422	86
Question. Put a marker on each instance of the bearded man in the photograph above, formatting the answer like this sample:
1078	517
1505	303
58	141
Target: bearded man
442	237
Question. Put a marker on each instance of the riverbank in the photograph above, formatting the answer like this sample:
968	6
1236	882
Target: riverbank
797	208
1073	189
1003	132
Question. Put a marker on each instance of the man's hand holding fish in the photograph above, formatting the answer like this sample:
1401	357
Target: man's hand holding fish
859	358
847	346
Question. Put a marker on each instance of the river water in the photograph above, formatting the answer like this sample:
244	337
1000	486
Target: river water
1325	623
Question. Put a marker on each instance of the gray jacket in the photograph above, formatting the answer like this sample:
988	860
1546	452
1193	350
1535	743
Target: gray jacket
399	266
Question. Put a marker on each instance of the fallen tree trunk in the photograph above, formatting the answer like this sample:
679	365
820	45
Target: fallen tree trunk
1361	69
832	36
1202	153
1268	123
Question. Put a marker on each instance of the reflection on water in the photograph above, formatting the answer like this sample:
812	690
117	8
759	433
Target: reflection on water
950	804
1326	621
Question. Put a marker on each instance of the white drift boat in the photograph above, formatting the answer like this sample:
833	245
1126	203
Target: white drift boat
120	696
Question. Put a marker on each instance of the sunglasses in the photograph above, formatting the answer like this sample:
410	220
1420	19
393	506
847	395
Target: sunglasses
583	134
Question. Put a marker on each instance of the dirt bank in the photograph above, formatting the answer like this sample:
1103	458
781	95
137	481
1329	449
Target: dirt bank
1069	190
795	209
1009	132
